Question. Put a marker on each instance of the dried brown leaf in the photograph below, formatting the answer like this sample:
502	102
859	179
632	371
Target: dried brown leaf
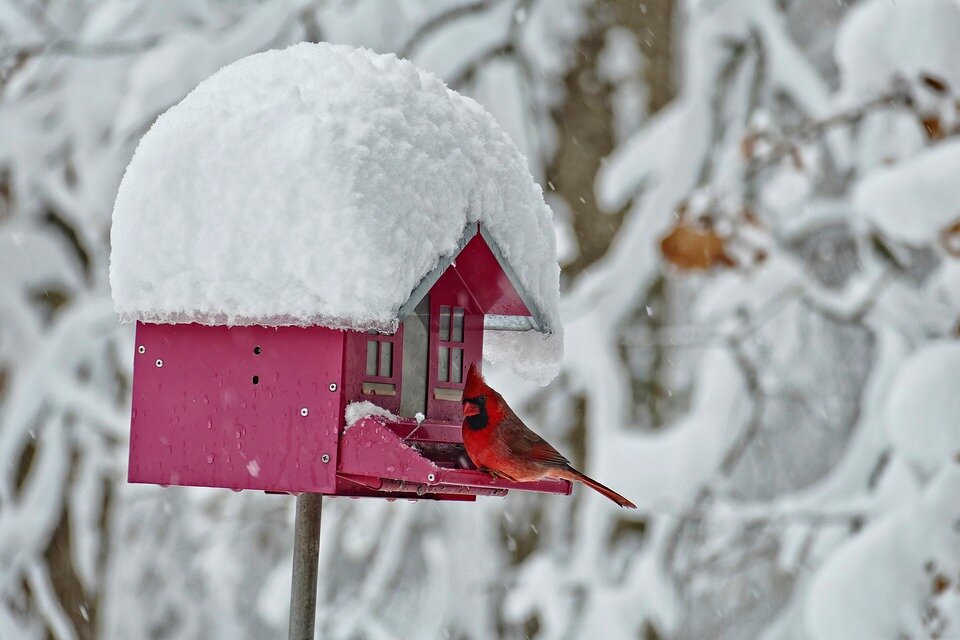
937	84
950	238
691	247
933	128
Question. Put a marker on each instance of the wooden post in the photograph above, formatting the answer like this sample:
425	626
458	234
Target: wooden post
306	557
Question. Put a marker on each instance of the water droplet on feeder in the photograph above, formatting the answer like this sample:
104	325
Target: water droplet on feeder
390	469
210	458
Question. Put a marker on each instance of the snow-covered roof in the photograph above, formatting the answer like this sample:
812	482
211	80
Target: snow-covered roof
319	185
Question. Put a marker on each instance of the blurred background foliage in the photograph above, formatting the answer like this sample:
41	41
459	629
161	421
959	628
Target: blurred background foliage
758	226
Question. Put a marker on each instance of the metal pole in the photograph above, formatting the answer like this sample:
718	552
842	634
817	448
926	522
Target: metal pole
306	557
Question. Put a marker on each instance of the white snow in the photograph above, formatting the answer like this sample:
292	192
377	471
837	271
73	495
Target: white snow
357	410
882	43
880	584
923	406
914	200
318	185
719	555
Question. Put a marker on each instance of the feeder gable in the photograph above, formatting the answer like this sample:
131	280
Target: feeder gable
490	280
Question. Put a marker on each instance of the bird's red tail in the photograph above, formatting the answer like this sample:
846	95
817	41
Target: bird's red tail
599	488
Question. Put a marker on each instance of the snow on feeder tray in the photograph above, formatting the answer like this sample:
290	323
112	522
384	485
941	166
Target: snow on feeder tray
312	232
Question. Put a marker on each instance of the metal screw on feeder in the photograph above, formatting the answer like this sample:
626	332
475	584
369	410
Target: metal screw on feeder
333	386
304	411
325	458
159	362
431	477
141	349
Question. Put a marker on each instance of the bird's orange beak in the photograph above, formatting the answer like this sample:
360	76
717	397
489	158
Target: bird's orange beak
470	409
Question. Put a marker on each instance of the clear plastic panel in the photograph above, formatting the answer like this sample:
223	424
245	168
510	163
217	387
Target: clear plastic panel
444	323
456	365
443	367
371	357
457	325
386	359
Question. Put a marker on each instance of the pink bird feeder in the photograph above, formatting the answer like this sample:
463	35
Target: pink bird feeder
315	245
255	407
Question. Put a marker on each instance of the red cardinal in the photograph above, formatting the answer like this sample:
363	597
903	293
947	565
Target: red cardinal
499	443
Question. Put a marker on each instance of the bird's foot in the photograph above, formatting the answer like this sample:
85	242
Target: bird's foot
490	472
496	475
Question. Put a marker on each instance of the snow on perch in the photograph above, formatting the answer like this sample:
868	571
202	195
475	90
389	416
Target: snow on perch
321	185
356	411
317	238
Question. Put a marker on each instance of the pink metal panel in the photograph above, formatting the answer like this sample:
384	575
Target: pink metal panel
370	448
200	417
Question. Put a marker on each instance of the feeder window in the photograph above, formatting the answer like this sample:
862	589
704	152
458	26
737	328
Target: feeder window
380	373
450	356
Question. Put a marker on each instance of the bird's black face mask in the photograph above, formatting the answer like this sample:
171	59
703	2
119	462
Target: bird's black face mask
475	412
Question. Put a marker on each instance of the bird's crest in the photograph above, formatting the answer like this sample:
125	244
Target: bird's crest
475	384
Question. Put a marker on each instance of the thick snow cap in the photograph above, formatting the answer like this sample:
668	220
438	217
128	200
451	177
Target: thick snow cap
318	185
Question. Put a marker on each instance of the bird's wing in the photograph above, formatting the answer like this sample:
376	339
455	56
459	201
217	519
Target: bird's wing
523	442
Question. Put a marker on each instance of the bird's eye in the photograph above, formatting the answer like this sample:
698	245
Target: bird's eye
481	400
